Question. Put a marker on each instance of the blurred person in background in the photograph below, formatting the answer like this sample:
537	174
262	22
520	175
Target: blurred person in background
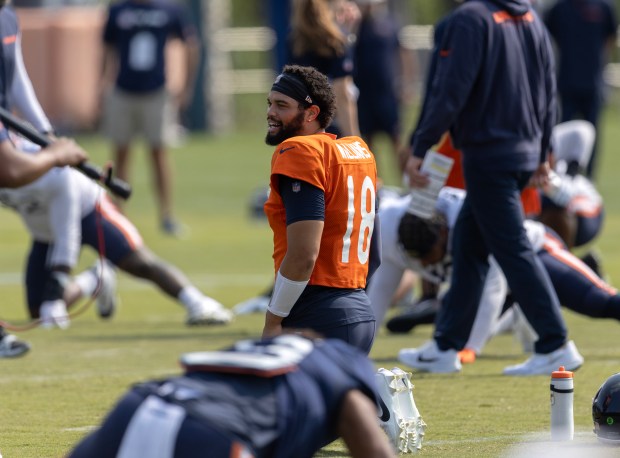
426	246
64	210
498	102
134	82
18	168
320	36
585	34
570	204
383	72
279	16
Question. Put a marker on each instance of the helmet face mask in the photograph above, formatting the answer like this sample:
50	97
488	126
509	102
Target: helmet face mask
606	411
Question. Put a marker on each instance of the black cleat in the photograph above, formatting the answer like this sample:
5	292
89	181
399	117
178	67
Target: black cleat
421	313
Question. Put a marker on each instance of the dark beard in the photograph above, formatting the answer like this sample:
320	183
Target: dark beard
289	130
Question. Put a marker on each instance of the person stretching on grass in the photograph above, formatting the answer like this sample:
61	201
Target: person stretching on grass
64	210
283	397
20	169
427	243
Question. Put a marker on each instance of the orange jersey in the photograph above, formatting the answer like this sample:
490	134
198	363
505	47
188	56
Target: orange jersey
346	171
530	198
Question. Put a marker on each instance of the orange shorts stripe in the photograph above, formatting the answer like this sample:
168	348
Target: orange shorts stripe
582	206
556	249
111	213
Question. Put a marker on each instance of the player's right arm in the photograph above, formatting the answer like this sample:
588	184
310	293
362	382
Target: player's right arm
358	427
303	244
23	97
19	169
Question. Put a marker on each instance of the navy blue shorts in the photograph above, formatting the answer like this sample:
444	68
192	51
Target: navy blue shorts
588	228
104	229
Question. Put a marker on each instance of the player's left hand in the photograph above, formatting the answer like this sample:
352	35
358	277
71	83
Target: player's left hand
416	178
540	177
273	325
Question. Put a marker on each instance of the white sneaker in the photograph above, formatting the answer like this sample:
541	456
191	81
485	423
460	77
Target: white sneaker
54	313
207	312
543	364
106	297
253	305
10	347
430	358
400	418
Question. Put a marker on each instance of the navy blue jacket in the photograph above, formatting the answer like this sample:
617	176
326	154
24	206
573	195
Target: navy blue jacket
493	87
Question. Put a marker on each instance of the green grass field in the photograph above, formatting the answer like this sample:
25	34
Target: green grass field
57	393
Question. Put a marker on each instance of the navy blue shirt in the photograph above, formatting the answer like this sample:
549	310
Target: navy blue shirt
581	29
139	31
493	87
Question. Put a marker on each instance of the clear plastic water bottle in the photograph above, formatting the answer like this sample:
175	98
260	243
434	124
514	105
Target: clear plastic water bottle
562	423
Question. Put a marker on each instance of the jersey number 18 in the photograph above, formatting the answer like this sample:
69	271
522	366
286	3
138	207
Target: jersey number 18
364	233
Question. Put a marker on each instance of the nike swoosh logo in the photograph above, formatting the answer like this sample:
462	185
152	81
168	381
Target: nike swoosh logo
422	359
385	412
282	150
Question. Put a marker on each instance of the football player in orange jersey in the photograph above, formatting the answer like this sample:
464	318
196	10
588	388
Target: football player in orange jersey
321	210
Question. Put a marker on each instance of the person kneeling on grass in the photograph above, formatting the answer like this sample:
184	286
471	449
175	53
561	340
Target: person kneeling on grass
427	243
286	396
64	210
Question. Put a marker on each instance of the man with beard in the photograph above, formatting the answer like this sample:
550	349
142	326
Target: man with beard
321	209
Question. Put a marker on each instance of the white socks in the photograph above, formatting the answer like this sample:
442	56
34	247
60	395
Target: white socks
189	296
87	282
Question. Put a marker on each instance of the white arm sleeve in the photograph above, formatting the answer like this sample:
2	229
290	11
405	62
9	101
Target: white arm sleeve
490	308
285	294
23	97
65	221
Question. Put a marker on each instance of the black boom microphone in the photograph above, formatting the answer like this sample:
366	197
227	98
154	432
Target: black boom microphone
116	186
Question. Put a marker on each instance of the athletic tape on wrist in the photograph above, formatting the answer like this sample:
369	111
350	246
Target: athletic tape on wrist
285	294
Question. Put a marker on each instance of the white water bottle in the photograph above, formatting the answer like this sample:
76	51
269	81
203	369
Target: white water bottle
562	424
